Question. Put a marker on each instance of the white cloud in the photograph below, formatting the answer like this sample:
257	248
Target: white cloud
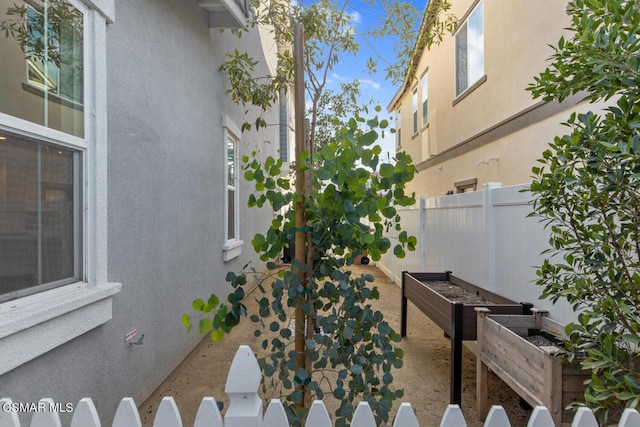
368	83
356	17
364	83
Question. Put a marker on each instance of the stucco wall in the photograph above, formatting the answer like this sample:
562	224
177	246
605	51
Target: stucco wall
495	131
166	156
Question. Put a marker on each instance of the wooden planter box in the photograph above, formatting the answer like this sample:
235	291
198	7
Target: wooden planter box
457	319
441	310
534	372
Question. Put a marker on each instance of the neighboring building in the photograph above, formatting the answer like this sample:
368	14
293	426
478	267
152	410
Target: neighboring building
121	196
466	118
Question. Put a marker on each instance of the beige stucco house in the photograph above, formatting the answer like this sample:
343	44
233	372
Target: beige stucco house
466	118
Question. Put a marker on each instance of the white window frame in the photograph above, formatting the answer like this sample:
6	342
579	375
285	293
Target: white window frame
424	83
35	324
232	248
472	79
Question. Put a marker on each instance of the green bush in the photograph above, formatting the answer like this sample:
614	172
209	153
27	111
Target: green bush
587	192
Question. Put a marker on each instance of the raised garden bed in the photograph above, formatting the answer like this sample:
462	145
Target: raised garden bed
450	303
522	351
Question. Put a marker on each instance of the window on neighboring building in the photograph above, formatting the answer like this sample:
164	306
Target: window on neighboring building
470	50
398	129
232	245
414	110
466	186
41	172
425	99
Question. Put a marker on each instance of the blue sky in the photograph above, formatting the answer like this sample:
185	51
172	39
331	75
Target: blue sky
373	87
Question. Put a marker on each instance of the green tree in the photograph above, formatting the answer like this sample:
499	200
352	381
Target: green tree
349	347
587	192
330	36
348	350
335	108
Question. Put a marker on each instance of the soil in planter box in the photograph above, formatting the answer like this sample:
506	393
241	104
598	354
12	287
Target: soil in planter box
539	341
541	338
456	293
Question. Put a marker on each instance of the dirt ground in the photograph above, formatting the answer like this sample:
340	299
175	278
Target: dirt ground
425	376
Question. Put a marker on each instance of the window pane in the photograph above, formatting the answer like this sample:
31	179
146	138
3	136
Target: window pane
38	216
41	74
461	60
425	99
470	50
414	109
232	181
475	45
231	163
231	212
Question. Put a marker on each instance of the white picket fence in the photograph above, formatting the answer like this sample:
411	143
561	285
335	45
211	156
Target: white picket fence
245	410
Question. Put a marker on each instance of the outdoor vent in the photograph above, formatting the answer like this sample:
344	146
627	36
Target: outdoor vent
226	13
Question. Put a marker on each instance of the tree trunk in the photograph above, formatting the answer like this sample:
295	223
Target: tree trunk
301	221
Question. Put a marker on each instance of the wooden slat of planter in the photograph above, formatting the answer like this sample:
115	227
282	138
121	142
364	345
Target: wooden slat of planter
518	324
570	397
573	384
520	378
574	380
437	307
512	347
505	351
513	383
470	321
552	326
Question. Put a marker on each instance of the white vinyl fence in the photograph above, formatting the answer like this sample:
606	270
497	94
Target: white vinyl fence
483	237
245	409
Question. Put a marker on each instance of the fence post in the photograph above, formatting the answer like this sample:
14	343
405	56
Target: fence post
245	406
490	232
423	233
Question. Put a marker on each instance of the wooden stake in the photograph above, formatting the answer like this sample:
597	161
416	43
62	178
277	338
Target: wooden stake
301	221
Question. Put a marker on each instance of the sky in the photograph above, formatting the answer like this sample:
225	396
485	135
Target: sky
373	87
